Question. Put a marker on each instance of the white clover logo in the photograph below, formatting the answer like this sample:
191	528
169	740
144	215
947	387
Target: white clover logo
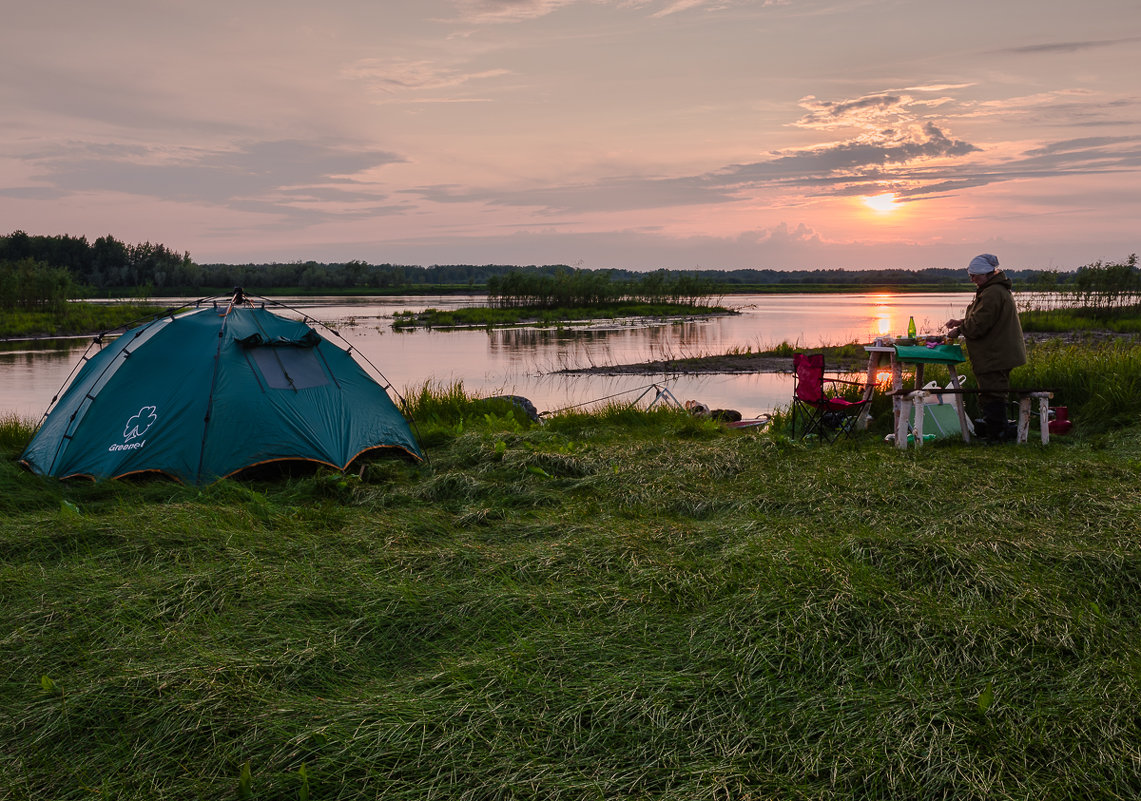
139	423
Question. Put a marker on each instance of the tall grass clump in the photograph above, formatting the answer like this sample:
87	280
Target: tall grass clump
441	412
15	432
433	401
1099	382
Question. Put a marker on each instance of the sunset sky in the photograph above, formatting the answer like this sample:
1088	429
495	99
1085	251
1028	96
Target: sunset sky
597	133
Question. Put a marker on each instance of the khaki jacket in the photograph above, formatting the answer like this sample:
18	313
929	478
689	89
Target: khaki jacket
991	328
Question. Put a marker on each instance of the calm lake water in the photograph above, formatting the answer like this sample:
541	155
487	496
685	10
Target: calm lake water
526	361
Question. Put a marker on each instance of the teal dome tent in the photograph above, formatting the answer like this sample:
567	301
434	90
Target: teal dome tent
204	393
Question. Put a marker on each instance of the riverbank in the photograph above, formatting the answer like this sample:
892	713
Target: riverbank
849	358
726	364
618	605
845	358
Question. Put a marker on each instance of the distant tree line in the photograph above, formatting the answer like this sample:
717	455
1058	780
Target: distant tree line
38	270
889	277
105	263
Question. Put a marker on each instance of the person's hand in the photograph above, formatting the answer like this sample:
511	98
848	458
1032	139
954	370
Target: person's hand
953	323
952	333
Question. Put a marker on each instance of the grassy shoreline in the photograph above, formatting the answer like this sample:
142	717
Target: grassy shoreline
612	605
77	318
484	316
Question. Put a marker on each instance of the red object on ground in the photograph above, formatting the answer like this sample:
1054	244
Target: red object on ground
1061	422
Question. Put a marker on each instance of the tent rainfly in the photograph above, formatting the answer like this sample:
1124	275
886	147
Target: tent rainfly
202	394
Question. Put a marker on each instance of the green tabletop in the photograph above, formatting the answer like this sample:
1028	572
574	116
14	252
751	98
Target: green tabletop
940	354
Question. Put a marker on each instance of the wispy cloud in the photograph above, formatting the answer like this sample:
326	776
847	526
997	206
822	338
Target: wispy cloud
861	112
1087	144
1068	47
491	11
32	192
1070	158
678	6
404	78
221	177
888	148
879	110
1071	107
935	87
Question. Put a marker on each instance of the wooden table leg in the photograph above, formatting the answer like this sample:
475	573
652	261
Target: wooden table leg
897	399
1043	414
918	405
869	390
1023	419
958	401
918	413
900	422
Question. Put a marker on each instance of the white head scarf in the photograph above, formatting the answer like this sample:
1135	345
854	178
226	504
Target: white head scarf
981	265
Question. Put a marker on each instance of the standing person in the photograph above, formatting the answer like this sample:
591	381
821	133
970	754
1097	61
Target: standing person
994	340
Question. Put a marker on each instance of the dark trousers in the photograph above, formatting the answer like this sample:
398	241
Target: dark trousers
993	386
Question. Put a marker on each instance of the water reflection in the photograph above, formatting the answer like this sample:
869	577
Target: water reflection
549	350
32	372
882	315
40	347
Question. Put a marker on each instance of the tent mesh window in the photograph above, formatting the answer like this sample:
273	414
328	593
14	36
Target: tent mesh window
289	368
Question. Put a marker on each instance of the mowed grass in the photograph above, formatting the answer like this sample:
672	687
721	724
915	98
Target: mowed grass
616	605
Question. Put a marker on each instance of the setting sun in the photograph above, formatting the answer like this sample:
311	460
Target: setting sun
882	203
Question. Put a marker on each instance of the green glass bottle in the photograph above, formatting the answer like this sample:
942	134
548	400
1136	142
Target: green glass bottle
911	328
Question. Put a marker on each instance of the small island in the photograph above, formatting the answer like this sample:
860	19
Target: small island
574	297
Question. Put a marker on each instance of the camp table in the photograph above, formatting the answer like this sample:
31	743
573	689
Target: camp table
919	356
948	355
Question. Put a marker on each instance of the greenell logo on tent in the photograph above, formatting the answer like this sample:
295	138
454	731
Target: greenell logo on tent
137	425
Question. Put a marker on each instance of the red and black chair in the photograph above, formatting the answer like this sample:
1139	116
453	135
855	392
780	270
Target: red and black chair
817	401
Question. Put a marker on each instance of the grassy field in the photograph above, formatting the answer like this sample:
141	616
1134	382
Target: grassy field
617	605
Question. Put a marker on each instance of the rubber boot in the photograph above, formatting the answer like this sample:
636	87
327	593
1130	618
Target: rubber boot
996	425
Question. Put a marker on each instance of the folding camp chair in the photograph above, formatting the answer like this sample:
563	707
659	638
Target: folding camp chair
824	412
